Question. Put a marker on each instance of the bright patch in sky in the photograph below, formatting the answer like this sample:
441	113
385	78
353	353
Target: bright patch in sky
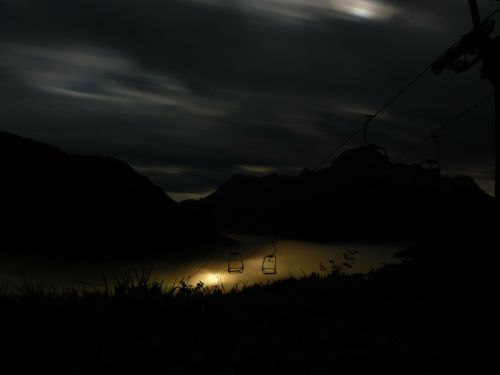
361	12
364	9
311	9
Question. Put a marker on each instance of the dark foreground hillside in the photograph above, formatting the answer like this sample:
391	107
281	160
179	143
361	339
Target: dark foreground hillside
432	314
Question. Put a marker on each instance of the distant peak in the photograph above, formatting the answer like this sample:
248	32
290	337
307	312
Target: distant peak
362	154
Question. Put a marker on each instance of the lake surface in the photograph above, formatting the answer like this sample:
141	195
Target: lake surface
293	258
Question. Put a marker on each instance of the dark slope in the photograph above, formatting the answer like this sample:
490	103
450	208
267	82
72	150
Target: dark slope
362	195
55	202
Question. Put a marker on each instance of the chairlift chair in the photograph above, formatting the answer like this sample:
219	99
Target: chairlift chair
235	263
379	149
373	146
269	263
434	164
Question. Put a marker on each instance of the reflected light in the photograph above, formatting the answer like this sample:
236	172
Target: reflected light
212	278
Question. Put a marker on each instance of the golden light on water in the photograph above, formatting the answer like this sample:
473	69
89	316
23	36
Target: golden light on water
211	278
295	259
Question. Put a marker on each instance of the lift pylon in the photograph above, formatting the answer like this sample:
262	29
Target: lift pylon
473	47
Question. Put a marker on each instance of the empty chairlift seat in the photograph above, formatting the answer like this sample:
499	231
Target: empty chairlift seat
269	263
235	263
434	165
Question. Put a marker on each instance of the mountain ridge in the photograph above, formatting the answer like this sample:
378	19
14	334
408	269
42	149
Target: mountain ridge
54	201
359	196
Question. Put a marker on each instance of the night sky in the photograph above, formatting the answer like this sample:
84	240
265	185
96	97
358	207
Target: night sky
190	92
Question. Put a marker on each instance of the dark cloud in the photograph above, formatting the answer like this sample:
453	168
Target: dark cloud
192	91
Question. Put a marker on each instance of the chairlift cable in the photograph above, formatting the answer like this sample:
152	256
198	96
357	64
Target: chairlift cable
492	14
386	105
444	126
391	101
370	118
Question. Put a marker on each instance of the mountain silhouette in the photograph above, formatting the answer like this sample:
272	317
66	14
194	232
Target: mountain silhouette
362	195
56	202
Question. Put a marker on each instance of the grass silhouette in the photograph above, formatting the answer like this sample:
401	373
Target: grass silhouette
411	318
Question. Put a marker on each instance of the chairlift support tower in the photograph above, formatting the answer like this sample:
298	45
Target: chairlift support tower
475	46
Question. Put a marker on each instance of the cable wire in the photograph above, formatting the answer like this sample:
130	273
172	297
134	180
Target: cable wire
339	147
391	100
385	106
446	125
492	14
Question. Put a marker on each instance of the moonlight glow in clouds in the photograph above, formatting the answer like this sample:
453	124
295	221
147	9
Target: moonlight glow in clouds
364	9
191	92
310	9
